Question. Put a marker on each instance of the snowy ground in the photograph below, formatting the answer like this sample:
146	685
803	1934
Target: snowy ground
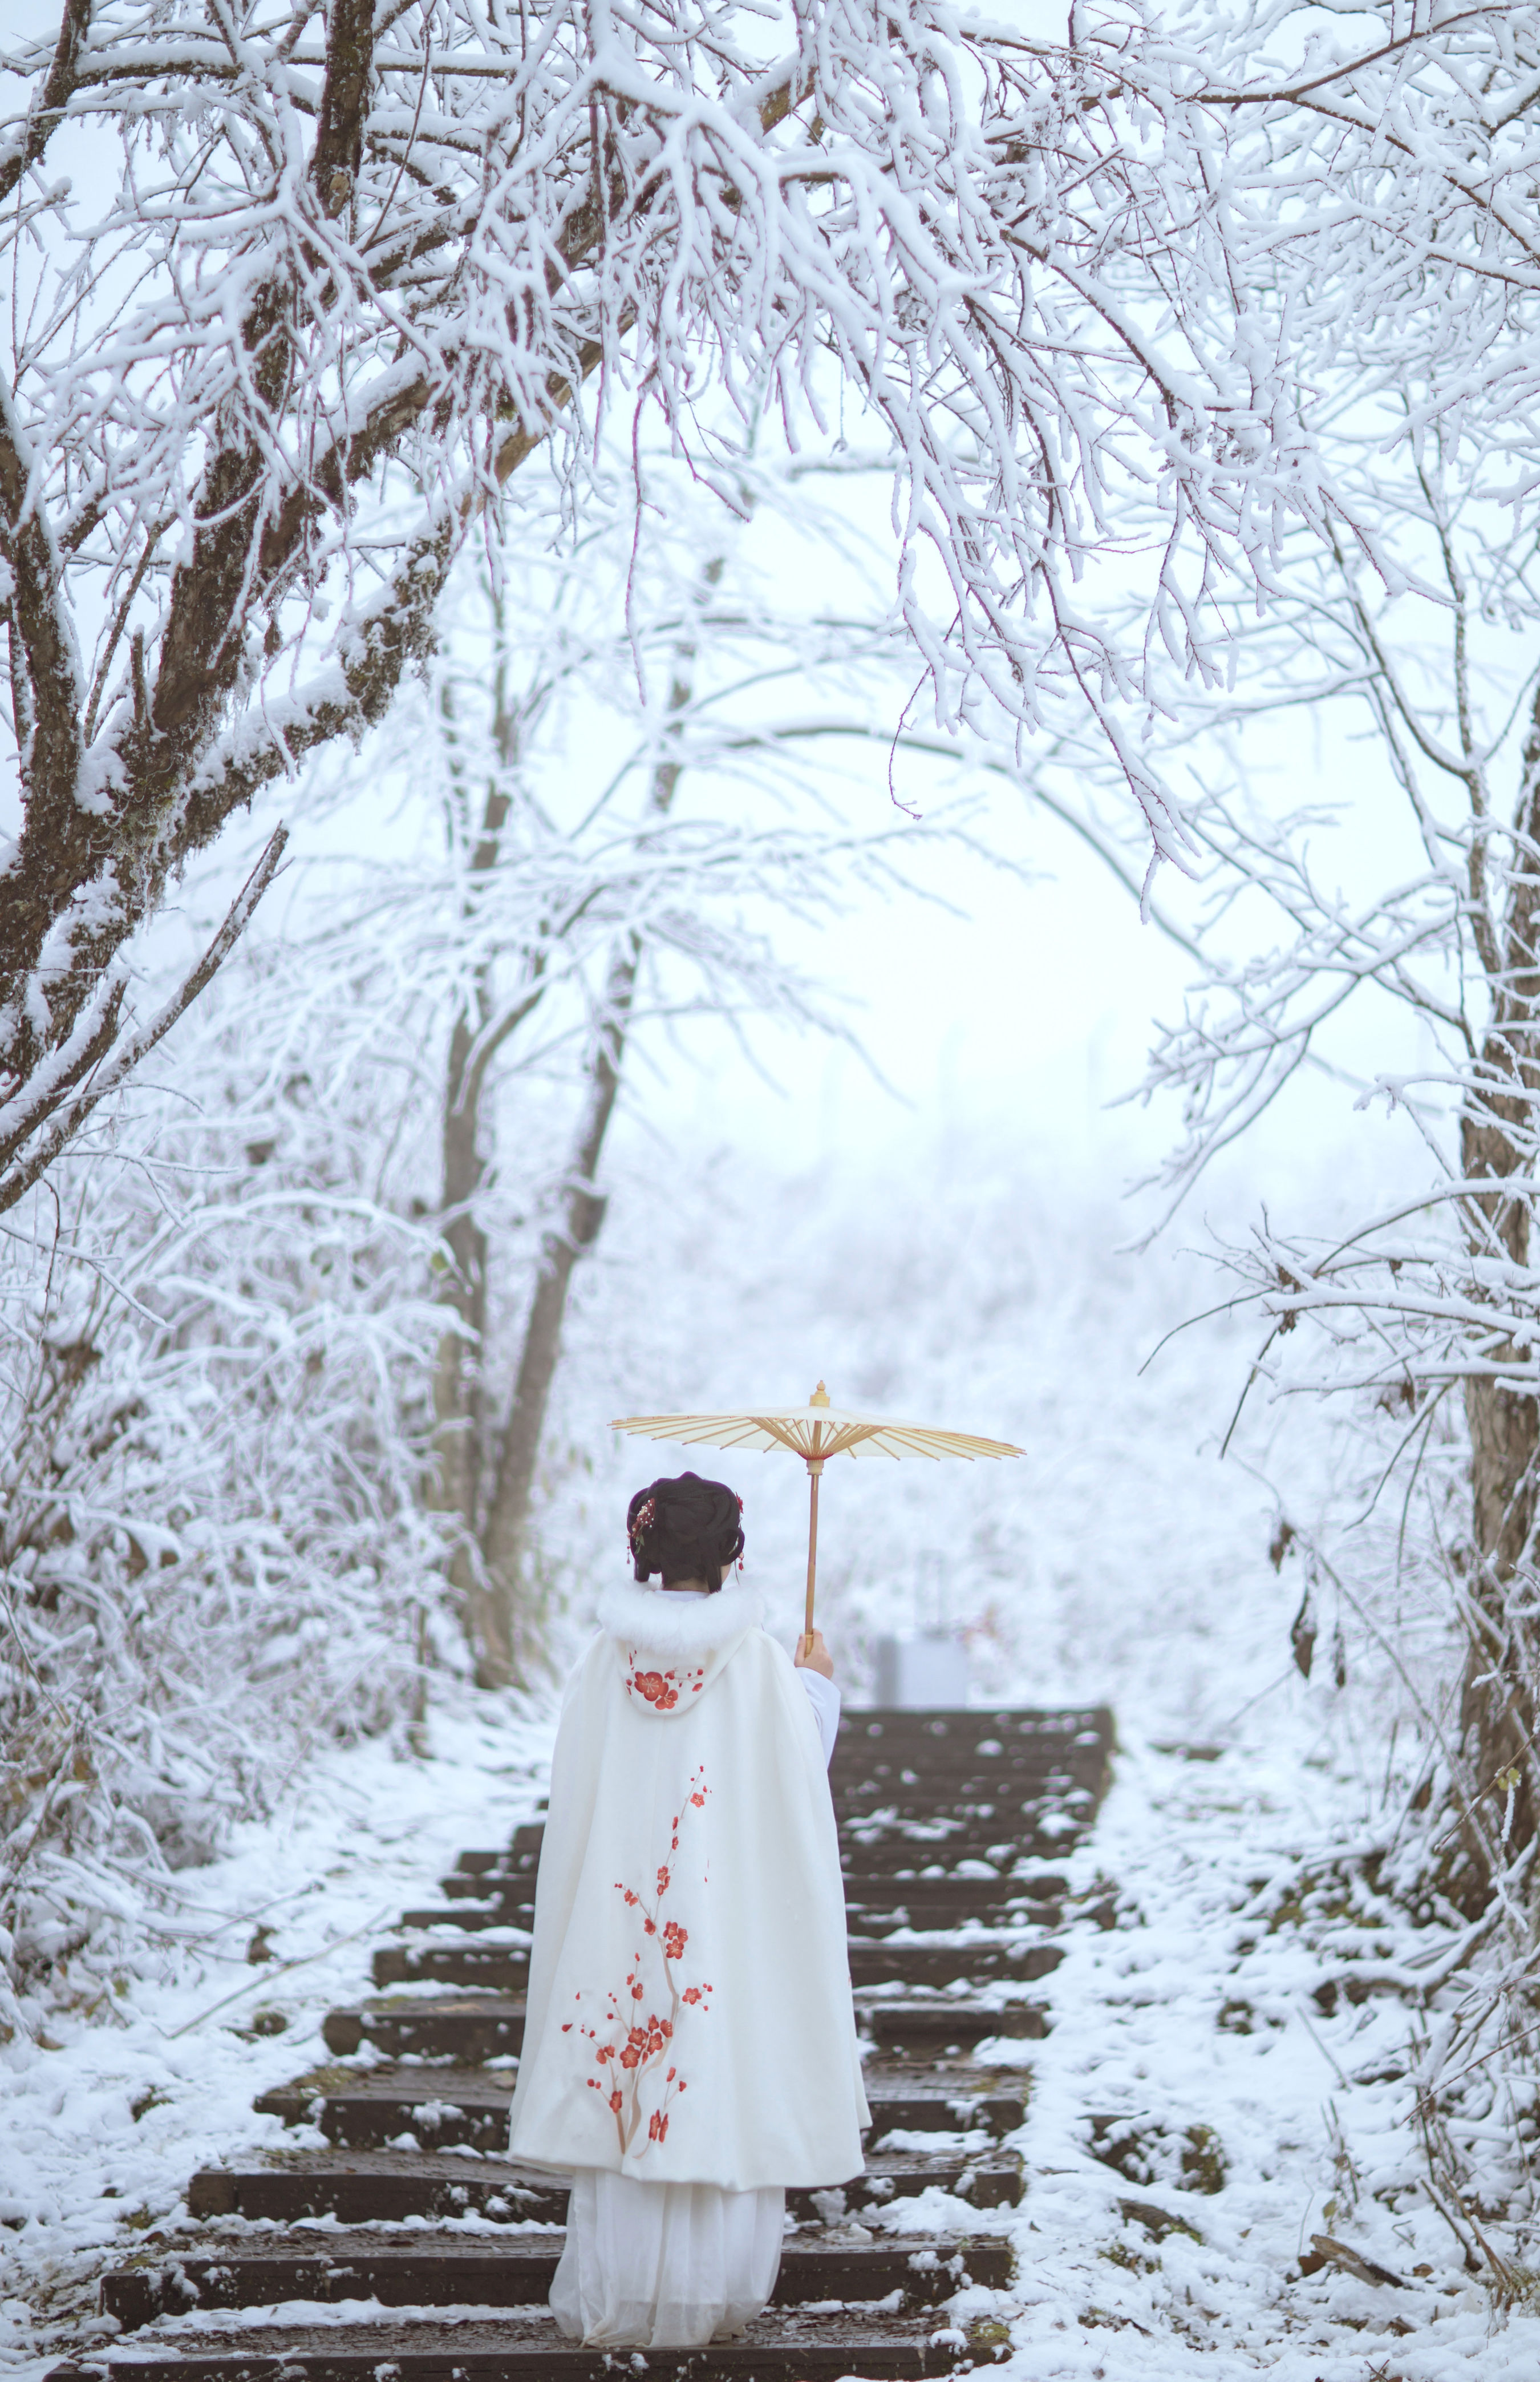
1116	1561
104	2117
1187	2032
1193	2026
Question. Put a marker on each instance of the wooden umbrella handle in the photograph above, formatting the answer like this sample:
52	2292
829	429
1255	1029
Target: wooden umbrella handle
813	1472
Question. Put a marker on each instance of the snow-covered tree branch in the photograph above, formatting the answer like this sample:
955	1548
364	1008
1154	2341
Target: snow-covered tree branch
1421	935
297	291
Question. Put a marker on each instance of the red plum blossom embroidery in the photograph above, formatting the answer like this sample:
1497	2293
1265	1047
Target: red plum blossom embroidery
634	2045
662	1690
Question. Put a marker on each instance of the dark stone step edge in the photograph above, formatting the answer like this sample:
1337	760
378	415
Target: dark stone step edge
359	2121
285	2194
516	2274
896	2354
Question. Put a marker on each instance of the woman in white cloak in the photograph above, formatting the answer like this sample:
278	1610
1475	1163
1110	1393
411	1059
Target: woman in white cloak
689	2044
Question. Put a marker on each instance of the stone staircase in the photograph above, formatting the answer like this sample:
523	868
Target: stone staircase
399	2243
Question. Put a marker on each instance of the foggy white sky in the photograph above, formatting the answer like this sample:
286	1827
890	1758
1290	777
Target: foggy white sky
1019	1024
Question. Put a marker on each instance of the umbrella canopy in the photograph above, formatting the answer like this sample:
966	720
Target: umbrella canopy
816	1433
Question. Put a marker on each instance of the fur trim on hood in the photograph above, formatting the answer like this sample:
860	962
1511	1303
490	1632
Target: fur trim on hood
665	1621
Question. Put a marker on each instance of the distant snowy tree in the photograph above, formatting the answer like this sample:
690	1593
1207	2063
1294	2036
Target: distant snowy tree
1438	1295
297	289
624	765
1404	232
1416	618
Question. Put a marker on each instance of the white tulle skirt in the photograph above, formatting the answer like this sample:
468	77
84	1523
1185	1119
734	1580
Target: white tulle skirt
664	2266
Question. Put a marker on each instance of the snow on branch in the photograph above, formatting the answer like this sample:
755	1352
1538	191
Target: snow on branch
337	286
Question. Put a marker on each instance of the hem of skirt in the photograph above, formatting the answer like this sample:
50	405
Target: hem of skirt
803	2179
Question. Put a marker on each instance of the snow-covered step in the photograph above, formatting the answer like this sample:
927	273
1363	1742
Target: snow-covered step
383	2188
469	1917
519	1857
467	2028
946	2025
876	1905
877	1847
475	1886
472	2029
781	2346
916	2095
1042	1815
505	1968
511	1898
979	1960
874	1843
1074	1741
875	1902
962	1781
422	2108
454	1961
441	2109
461	2270
393	2187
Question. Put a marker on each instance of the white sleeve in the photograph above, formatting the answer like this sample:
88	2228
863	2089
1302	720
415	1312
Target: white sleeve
823	1696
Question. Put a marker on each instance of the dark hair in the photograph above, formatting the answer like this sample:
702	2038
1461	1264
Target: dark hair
687	1529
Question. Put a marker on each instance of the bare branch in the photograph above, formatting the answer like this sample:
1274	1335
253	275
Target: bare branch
71	1115
45	117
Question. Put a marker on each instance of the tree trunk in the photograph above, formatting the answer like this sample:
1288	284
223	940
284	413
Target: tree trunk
507	1527
457	1374
455	1484
1498	1698
582	1215
1498	1703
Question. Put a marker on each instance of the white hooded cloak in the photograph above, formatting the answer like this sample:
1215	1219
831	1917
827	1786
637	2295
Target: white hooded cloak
688	2017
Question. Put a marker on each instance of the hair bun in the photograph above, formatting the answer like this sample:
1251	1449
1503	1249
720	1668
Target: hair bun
686	1529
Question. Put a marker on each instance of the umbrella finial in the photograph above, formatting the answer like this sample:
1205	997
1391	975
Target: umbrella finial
820	1396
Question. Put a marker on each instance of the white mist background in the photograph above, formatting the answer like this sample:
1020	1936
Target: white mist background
956	1238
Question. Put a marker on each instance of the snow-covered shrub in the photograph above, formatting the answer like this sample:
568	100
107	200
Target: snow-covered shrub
213	1552
1433	1907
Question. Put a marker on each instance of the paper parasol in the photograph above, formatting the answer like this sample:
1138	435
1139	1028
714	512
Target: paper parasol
814	1433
